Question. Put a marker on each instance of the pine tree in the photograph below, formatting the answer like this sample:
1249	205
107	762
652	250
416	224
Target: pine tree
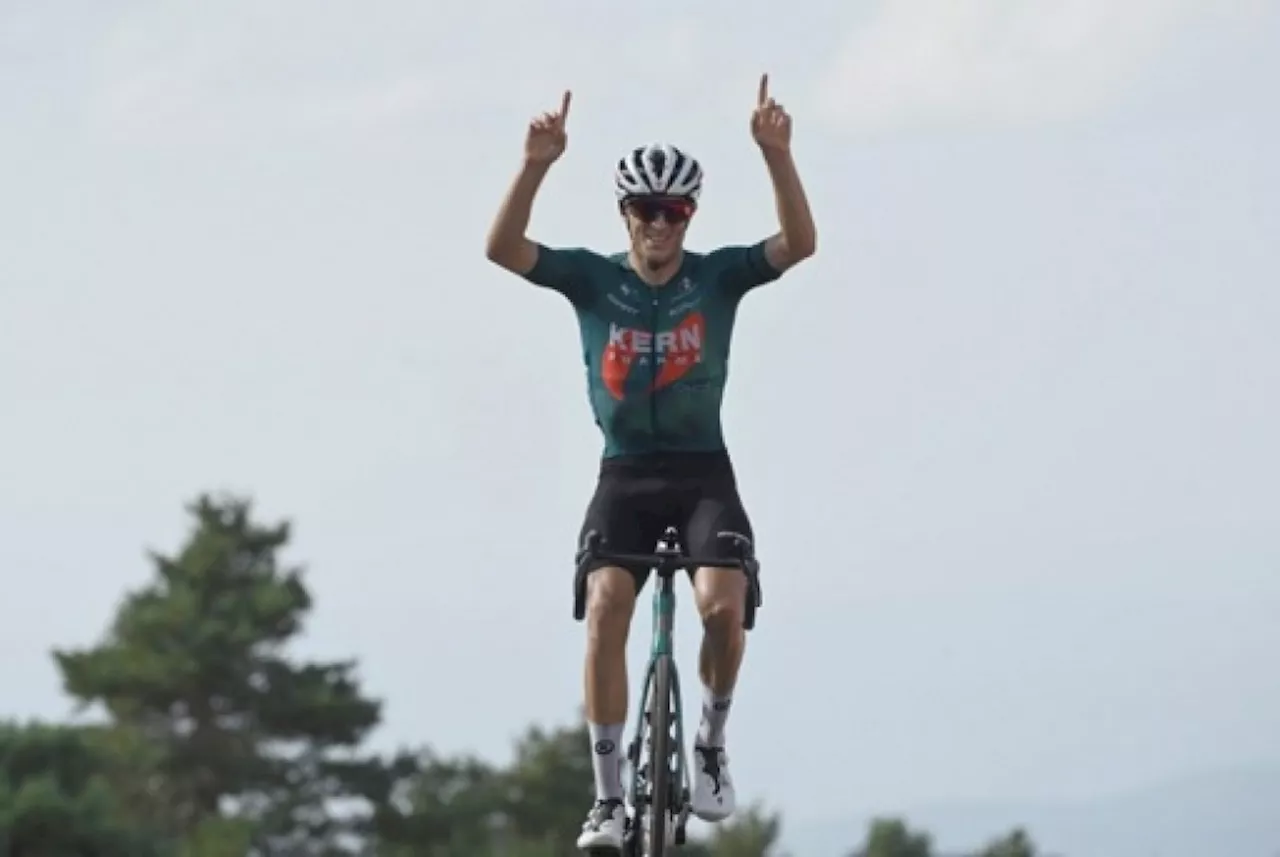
194	666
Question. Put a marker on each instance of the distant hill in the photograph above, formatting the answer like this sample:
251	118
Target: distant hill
1230	813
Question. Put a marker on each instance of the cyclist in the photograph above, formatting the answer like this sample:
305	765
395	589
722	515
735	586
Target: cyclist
655	323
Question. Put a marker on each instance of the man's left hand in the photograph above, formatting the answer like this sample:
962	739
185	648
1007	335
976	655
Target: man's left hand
770	124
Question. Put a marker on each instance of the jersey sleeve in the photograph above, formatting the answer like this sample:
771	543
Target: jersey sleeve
744	267
564	270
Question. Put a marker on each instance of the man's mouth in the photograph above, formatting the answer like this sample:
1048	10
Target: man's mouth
657	242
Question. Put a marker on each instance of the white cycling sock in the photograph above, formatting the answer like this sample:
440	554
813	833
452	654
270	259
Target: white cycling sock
606	759
715	711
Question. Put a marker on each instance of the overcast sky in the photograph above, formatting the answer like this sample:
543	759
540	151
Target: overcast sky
1009	440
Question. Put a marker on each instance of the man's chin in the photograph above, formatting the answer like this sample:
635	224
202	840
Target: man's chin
655	259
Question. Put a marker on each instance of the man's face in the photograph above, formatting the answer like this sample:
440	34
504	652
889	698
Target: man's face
657	226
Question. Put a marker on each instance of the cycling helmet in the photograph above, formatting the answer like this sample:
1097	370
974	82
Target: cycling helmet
658	169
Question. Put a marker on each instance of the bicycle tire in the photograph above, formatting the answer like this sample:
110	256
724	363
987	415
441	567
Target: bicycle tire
660	756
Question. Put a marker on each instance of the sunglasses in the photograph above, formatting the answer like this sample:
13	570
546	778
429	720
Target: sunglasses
674	210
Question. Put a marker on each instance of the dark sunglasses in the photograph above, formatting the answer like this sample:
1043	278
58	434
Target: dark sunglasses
674	210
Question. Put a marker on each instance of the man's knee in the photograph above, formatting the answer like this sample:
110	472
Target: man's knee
611	600
721	595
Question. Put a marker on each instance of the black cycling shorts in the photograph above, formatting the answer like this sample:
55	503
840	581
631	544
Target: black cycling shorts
638	497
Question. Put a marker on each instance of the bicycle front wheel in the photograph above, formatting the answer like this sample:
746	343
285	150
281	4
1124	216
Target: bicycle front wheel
660	757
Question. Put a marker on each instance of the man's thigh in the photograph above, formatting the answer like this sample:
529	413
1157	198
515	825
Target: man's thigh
626	511
716	523
716	519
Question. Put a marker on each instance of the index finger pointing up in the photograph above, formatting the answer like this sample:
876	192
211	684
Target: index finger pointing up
764	90
564	106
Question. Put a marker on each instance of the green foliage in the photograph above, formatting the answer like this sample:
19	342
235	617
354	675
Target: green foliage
463	806
892	837
218	837
448	808
753	832
1017	843
56	797
550	786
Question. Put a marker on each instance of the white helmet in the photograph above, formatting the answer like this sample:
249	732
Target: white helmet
658	169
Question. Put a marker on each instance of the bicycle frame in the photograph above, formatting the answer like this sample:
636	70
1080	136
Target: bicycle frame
663	646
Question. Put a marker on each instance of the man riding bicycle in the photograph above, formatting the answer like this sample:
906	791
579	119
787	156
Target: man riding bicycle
656	323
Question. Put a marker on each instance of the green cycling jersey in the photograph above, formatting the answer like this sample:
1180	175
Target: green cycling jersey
657	358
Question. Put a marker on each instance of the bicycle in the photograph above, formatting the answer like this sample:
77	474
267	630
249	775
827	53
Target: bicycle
654	783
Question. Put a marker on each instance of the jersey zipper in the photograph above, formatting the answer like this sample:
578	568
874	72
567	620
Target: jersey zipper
653	369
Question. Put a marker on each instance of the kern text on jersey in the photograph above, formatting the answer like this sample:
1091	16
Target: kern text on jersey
673	351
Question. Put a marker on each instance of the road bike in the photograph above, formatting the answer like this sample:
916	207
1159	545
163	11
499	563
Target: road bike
659	796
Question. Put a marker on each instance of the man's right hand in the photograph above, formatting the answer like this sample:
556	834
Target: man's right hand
547	139
507	244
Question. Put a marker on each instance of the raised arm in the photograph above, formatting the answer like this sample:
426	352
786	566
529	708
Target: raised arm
507	244
797	237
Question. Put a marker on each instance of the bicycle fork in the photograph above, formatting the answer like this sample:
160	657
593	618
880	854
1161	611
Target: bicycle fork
642	779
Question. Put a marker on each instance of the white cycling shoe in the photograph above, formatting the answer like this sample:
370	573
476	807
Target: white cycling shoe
604	828
713	796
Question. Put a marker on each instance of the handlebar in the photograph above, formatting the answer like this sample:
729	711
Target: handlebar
665	562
